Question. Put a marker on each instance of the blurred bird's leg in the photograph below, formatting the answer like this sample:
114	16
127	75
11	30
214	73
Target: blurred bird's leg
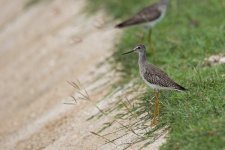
149	36
141	36
152	49
156	110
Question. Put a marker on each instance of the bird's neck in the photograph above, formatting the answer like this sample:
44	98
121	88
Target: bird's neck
142	58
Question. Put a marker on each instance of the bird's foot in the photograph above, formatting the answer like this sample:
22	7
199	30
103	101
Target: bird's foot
155	119
154	122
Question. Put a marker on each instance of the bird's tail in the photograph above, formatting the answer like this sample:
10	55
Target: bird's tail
126	23
121	25
181	88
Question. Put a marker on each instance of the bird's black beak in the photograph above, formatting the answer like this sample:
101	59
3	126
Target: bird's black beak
128	52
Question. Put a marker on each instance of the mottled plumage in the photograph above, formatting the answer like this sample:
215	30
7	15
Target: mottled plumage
157	77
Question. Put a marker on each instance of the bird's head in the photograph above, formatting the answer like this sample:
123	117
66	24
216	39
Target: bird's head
138	49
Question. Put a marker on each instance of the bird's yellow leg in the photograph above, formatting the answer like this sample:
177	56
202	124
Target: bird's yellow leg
150	113
158	104
152	49
154	119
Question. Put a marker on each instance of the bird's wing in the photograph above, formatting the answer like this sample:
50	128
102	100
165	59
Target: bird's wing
158	77
147	14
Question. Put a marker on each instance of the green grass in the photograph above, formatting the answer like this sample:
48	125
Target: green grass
191	31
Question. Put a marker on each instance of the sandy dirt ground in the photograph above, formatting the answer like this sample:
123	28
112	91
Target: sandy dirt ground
41	48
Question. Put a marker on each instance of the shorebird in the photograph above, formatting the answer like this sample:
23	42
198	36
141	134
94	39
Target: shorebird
149	17
155	78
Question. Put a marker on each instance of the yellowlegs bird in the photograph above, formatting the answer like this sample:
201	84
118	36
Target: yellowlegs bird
148	16
155	78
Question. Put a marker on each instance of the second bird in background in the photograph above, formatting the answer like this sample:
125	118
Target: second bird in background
148	16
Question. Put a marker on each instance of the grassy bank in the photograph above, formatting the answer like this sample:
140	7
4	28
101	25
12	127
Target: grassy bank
190	32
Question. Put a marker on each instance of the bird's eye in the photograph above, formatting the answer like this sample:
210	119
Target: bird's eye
138	47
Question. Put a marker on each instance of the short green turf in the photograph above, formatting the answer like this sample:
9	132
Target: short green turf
190	32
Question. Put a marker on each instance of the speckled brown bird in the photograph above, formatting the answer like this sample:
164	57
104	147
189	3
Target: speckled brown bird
149	17
154	77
